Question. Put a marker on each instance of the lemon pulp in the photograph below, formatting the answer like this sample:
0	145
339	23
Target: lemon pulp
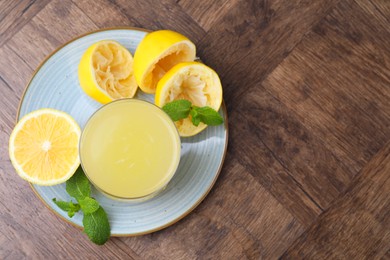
192	81
106	72
157	53
43	147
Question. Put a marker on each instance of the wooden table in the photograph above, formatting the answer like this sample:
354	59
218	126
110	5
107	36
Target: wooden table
307	87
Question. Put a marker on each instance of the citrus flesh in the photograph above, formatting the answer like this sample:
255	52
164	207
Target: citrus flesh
192	81
106	72
157	53
43	147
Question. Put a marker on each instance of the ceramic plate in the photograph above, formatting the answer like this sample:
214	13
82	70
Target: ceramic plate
55	85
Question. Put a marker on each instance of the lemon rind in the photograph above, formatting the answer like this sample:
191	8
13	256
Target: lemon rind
160	97
87	78
18	127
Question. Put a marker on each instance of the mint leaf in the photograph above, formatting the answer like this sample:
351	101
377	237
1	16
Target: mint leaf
195	117
177	109
95	220
89	205
96	226
64	205
67	206
182	108
208	115
78	185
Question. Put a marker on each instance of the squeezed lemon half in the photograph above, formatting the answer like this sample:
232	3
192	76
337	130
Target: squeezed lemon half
192	81
44	147
157	53
106	72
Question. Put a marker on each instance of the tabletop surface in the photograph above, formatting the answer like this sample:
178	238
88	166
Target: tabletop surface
307	90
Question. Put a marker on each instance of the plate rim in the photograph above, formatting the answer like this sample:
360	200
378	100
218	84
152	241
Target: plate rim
175	220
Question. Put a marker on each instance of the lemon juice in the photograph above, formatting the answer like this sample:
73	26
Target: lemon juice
130	149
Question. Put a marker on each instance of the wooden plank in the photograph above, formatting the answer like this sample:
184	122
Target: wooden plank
106	14
336	80
15	14
314	169
251	151
379	8
6	7
12	84
358	225
220	228
17	74
9	101
247	43
207	12
152	15
59	22
386	256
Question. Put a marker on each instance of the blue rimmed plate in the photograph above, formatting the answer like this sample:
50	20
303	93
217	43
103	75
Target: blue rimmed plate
55	85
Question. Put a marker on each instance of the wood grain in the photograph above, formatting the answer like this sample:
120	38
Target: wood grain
310	167
306	84
147	14
46	31
254	37
362	213
15	14
347	118
18	72
268	170
206	13
110	15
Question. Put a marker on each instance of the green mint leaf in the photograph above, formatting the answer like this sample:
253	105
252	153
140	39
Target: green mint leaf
78	185
208	115
195	117
64	205
182	108
177	109
71	214
95	219
96	226
89	205
69	207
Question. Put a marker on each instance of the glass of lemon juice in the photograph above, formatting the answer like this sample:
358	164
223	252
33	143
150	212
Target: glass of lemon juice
130	149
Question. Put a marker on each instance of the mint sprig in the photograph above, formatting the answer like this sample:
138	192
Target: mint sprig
95	226
95	219
67	206
179	109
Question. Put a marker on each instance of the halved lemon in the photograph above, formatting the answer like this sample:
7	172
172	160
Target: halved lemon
106	72
158	52
192	81
44	147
